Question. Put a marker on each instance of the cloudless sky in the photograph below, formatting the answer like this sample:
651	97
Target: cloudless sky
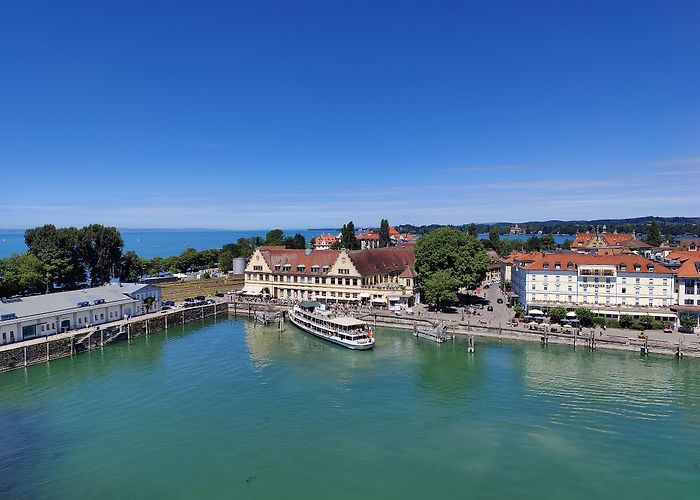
292	114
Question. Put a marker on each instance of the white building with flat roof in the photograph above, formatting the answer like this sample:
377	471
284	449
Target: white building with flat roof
24	318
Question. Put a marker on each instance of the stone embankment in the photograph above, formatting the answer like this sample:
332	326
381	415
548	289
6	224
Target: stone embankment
45	349
596	341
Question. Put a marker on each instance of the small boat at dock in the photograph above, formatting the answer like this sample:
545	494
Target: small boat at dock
435	333
314	318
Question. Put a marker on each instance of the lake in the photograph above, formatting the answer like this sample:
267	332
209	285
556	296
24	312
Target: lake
225	409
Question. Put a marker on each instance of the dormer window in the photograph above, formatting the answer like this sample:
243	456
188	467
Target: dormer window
557	265
637	267
314	269
325	269
300	269
545	265
570	266
623	267
277	267
287	267
650	268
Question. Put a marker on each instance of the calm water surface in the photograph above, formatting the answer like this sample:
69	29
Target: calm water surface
227	410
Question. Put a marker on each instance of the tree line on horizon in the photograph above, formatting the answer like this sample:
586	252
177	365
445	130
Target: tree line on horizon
669	226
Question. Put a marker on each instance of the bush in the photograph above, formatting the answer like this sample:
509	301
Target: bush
688	322
598	321
626	321
614	324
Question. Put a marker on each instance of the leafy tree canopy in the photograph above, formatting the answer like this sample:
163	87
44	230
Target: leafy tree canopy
449	249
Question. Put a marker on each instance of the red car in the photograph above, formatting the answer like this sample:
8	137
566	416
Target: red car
668	329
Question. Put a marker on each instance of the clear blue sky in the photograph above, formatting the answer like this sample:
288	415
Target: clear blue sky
287	114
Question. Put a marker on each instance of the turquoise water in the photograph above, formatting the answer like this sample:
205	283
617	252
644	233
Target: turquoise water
227	410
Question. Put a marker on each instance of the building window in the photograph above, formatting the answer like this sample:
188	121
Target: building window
257	268
624	290
689	302
300	269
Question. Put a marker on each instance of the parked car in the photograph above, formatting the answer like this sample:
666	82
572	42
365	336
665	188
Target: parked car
219	294
189	299
499	300
211	301
165	308
168	303
200	298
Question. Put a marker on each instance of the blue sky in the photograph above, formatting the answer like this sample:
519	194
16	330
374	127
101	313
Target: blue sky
291	114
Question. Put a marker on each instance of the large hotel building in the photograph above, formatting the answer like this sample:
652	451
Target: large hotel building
377	276
609	285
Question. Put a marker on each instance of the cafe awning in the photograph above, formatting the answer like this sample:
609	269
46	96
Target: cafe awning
379	300
536	312
251	290
571	314
394	298
365	295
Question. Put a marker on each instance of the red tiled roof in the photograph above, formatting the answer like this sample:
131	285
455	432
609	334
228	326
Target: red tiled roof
585	259
611	239
294	257
690	268
368	235
383	260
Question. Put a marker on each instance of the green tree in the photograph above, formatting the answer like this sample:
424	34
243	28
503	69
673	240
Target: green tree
58	250
566	245
246	247
452	250
654	234
547	242
296	242
131	267
556	314
626	321
519	311
228	252
472	230
22	274
495	239
384	233
274	238
347	238
100	250
585	316
441	288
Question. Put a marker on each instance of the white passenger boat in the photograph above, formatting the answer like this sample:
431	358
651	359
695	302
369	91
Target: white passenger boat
314	318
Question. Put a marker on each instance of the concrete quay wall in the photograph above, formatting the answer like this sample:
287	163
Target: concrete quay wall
60	346
611	343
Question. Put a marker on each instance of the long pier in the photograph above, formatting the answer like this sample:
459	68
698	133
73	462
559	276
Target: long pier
45	349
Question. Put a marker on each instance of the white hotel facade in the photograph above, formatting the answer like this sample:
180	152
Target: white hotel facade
609	285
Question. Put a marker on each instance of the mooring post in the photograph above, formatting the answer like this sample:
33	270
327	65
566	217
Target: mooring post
102	338
47	350
25	356
470	344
